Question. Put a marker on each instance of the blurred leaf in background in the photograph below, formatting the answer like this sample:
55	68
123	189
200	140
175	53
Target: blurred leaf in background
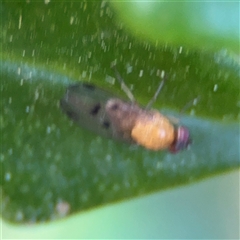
50	167
201	25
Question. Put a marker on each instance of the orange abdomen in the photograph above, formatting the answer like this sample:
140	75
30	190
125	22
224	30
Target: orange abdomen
155	132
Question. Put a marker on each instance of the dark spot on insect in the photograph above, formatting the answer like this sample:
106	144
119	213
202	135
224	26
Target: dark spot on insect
106	124
88	86
95	109
115	106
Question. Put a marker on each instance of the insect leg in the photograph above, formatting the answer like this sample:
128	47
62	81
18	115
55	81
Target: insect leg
149	105
123	85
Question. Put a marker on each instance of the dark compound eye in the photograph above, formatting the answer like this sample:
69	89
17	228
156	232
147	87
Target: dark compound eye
95	109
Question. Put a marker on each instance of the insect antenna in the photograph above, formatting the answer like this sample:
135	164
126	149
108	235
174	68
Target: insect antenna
154	98
123	85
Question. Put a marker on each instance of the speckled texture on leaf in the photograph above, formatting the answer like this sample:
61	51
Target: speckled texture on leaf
51	167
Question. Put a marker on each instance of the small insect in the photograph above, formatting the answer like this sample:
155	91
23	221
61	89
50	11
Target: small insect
104	113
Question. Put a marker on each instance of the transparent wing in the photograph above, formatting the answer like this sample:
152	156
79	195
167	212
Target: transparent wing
85	104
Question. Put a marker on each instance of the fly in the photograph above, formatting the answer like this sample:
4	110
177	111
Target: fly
102	112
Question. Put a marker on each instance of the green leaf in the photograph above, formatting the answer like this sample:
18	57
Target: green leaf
52	168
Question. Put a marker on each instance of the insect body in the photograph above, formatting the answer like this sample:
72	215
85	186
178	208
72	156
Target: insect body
101	112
